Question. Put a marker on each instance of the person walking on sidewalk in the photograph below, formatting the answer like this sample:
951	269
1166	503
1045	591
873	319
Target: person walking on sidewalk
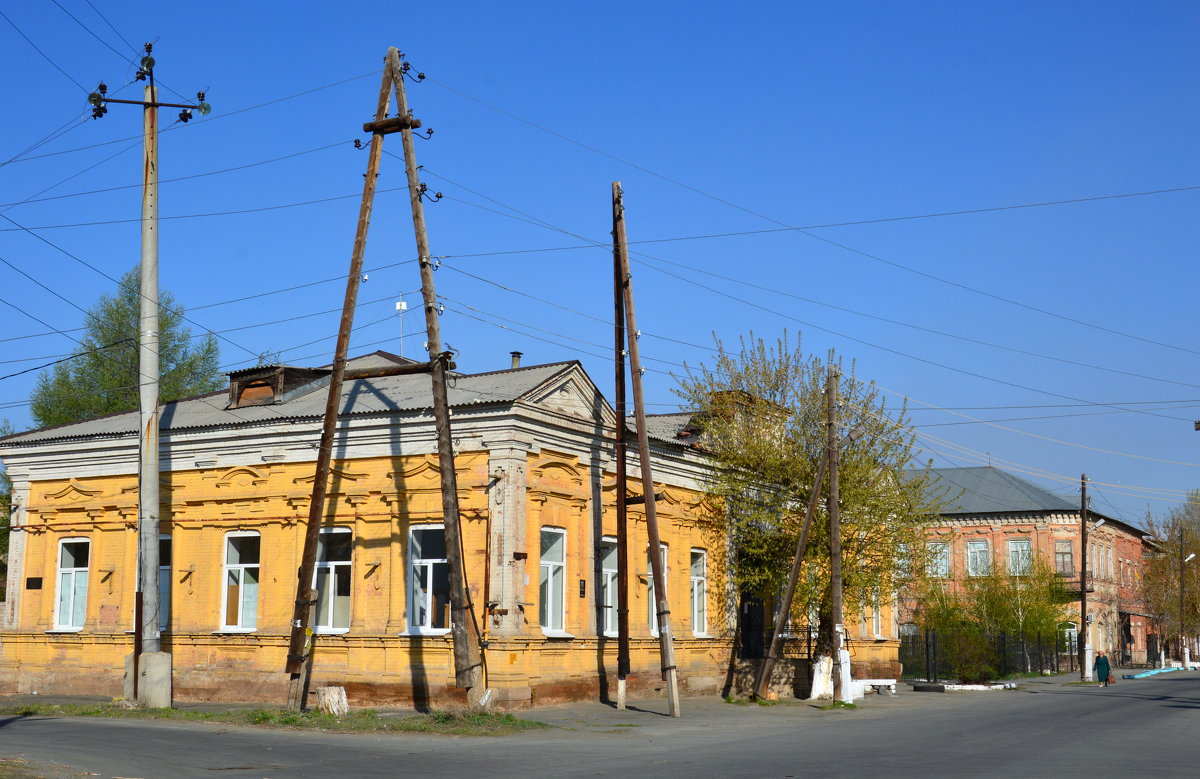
1101	668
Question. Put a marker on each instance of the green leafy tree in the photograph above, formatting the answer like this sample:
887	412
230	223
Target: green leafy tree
1027	605
762	408
1163	575
102	376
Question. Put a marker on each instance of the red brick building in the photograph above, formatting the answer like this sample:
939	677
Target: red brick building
997	521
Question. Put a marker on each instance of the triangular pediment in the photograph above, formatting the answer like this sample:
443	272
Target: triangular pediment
571	393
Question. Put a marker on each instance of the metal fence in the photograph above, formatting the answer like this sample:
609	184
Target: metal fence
933	657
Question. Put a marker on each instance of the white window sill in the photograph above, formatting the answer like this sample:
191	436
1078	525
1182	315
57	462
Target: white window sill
701	635
330	631
610	634
426	632
234	631
64	630
556	634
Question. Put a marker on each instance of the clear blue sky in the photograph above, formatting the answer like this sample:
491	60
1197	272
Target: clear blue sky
793	114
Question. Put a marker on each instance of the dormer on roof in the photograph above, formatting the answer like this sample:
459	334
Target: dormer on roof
263	385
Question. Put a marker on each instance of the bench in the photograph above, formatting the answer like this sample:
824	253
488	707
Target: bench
879	686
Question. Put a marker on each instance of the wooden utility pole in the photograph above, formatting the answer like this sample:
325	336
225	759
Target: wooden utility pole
785	607
666	644
147	655
468	654
840	693
1084	637
619	436
301	615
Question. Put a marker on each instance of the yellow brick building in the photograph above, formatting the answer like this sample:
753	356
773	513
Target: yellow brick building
535	476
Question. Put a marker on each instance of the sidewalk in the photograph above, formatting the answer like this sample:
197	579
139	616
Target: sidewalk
703	711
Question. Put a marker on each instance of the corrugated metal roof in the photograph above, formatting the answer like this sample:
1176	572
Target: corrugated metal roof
987	490
666	427
364	396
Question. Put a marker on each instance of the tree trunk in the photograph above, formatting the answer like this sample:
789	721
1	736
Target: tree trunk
332	700
822	660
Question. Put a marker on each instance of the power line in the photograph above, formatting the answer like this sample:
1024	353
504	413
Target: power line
97	270
804	231
103	18
45	56
528	218
233	212
726	295
64	359
36	199
197	122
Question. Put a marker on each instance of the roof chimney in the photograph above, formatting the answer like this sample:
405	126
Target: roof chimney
516	359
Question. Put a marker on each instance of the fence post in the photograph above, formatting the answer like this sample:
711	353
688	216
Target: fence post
935	656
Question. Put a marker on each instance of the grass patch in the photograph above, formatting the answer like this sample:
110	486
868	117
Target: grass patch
753	701
14	768
445	723
838	705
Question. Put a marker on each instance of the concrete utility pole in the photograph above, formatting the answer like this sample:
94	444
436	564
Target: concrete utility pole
1184	649
1085	643
666	643
841	659
619	436
148	669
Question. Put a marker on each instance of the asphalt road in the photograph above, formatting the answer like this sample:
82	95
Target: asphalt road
1137	728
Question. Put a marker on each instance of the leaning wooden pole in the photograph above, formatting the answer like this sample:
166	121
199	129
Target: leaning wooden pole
619	435
316	509
785	606
468	653
666	644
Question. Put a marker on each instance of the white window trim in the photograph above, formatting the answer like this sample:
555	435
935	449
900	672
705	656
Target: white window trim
59	627
333	567
703	581
559	632
652	607
1027	545
944	555
987	549
605	595
225	568
877	614
420	630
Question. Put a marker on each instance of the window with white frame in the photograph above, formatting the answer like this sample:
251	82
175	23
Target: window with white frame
699	588
978	559
903	561
876	612
652	607
939	559
1020	556
164	582
239	608
429	580
1069	634
608	585
552	579
331	579
70	608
